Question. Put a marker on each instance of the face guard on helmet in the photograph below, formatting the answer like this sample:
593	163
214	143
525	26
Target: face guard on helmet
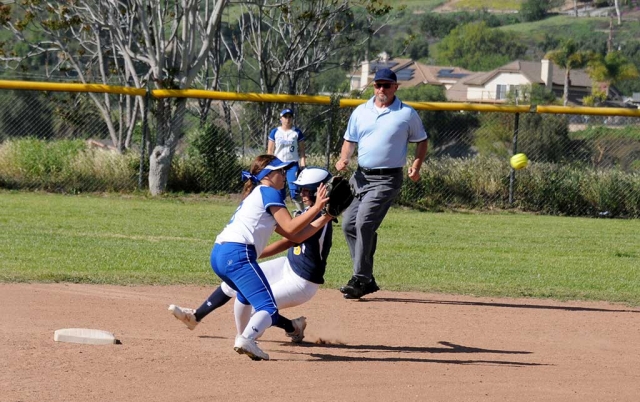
311	177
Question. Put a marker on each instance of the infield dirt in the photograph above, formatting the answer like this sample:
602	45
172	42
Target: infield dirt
389	347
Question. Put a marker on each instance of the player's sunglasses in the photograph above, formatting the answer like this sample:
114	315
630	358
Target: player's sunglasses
287	116
385	85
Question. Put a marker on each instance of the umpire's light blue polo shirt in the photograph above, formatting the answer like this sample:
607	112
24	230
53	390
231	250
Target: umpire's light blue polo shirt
383	138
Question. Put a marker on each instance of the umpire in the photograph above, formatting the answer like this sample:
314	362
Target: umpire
381	128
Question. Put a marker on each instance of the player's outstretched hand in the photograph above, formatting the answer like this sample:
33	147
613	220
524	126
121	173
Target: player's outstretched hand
322	196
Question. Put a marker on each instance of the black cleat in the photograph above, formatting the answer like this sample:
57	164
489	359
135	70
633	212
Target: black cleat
355	289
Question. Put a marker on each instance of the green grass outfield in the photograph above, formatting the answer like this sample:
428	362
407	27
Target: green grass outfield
129	240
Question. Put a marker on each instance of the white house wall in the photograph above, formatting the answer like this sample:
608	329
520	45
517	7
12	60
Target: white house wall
488	92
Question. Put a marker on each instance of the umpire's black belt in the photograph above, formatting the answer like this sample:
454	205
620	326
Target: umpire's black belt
380	171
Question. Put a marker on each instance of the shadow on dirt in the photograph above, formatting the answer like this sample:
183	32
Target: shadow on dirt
490	304
448	348
334	358
375	350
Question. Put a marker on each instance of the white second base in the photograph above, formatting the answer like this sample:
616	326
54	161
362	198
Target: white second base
84	335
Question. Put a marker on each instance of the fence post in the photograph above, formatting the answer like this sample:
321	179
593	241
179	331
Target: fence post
143	141
333	107
512	176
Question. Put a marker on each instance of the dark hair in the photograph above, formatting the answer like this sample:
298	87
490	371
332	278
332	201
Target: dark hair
259	163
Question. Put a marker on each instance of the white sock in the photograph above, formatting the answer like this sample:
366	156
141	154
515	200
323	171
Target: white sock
242	314
258	323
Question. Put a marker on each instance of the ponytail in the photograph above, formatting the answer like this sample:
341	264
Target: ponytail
259	163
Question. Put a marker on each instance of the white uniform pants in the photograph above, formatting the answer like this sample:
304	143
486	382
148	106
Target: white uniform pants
288	288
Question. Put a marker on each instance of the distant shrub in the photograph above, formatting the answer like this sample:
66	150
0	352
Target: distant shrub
478	182
558	189
210	164
553	189
65	166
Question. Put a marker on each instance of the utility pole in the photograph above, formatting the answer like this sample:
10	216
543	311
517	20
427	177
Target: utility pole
610	40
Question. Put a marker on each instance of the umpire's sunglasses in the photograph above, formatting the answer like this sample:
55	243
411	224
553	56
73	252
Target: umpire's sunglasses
385	85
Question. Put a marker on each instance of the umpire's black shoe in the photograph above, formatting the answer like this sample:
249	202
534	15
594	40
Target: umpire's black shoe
371	287
355	288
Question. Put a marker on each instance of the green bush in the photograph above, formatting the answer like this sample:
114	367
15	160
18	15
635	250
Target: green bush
478	182
494	137
616	193
557	189
553	189
65	166
209	165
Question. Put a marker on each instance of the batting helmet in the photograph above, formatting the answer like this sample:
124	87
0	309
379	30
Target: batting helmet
311	177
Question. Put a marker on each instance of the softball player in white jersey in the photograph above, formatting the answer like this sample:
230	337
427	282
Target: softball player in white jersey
237	247
293	279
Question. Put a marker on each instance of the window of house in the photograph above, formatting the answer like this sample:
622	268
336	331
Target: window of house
501	91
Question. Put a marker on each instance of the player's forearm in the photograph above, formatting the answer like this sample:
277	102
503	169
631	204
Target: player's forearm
276	247
302	154
310	230
288	227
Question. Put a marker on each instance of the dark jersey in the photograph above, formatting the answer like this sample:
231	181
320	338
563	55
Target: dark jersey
309	259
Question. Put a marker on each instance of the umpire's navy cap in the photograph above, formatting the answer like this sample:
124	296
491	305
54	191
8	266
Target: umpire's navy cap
385	74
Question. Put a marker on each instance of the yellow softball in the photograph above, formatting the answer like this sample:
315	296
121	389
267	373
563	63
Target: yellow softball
519	161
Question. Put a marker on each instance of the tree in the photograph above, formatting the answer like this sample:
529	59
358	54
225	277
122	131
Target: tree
609	70
443	138
163	43
63	36
281	44
536	10
477	47
568	56
631	50
617	7
612	68
172	41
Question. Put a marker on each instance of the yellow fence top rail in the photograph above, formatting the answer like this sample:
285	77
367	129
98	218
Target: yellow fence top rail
309	99
63	87
249	96
595	111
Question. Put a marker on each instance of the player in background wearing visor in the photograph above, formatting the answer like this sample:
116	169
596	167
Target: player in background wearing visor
286	142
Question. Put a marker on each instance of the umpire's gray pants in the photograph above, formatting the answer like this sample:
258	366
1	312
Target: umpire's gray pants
374	195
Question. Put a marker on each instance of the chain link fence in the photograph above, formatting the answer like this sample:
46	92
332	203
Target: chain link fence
580	164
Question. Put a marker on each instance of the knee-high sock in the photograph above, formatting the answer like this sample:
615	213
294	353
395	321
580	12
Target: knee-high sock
285	323
218	298
242	314
258	323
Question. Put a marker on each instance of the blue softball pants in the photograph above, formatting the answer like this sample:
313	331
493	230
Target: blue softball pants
236	264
